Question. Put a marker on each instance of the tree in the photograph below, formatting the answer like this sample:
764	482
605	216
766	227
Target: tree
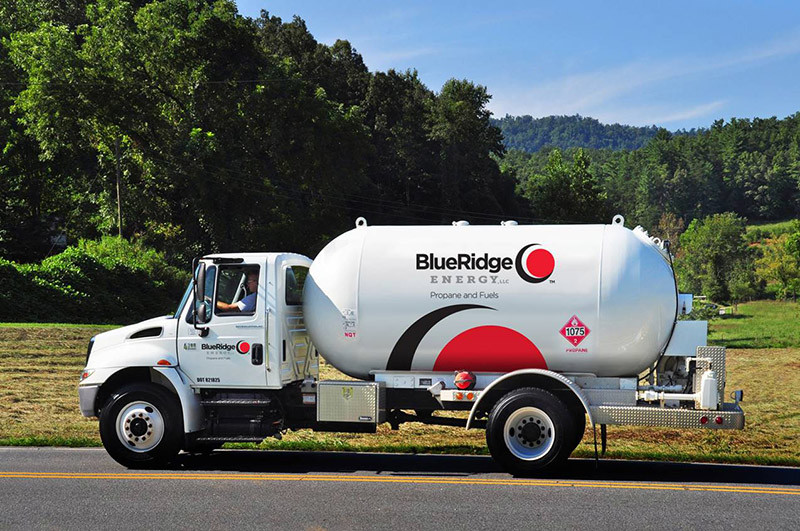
470	179
742	283
339	69
35	190
780	263
586	199
565	193
711	250
669	228
403	164
546	190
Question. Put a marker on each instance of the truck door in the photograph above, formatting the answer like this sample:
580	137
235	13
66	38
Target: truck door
232	354
297	355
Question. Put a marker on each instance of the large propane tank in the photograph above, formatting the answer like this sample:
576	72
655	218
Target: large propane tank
597	299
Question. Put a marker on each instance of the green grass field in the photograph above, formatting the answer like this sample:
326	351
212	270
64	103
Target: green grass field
759	324
772	229
40	365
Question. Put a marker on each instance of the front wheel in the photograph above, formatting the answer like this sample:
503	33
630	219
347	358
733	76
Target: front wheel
141	426
530	430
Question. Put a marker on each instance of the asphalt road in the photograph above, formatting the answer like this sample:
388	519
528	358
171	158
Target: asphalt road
61	488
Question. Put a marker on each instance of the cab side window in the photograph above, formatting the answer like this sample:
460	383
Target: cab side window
295	279
237	290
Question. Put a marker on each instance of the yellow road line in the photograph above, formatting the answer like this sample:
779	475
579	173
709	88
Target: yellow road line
404	479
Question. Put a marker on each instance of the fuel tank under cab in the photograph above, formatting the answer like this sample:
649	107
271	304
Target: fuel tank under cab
597	299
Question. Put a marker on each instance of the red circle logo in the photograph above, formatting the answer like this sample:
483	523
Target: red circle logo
242	347
540	263
534	263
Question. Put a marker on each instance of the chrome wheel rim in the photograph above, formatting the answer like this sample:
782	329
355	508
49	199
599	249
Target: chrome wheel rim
529	433
140	426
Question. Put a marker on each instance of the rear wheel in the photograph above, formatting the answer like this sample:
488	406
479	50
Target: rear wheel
530	430
580	428
141	426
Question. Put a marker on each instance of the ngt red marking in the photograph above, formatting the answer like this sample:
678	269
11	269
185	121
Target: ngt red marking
574	331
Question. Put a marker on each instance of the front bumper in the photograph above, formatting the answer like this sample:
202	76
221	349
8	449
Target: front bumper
87	395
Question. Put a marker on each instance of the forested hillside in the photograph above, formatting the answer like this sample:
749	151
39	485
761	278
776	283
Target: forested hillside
206	131
749	167
530	134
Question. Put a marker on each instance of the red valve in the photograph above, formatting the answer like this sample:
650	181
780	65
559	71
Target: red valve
464	380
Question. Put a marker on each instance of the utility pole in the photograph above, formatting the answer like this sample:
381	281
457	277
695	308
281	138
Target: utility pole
119	203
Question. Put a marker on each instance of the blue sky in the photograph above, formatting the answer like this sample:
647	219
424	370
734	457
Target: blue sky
673	64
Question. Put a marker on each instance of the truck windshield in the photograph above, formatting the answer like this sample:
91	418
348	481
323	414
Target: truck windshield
185	298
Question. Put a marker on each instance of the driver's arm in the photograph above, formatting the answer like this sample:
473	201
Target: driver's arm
225	307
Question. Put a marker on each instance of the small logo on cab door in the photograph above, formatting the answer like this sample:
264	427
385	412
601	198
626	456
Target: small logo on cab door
242	347
190	346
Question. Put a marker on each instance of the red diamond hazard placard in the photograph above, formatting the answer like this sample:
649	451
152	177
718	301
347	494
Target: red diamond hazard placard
574	331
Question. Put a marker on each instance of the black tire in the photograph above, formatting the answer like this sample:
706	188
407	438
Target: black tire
204	448
530	430
424	413
141	426
580	428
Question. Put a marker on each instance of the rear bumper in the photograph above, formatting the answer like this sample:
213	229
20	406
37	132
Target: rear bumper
730	417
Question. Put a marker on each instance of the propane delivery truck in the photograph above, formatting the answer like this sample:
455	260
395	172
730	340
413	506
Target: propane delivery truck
528	329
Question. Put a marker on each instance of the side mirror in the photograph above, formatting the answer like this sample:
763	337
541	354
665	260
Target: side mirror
200	283
200	309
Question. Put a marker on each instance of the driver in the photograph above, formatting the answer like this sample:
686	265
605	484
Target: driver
248	303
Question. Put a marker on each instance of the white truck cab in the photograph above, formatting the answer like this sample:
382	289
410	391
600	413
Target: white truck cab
175	366
265	347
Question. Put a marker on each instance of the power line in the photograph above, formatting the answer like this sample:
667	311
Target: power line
369	202
365	205
136	84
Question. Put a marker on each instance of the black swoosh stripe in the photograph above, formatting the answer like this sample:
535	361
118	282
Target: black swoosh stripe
403	352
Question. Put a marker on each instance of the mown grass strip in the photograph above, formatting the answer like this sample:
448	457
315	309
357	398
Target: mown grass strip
59	325
40	440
